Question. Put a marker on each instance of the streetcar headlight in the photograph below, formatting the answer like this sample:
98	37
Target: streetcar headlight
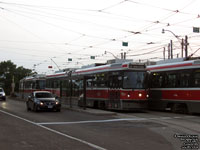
147	95
140	94
128	95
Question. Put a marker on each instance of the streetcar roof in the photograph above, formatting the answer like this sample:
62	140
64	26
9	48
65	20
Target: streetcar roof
175	66
110	67
57	75
34	77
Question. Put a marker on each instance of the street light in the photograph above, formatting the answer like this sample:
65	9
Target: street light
163	31
111	54
180	41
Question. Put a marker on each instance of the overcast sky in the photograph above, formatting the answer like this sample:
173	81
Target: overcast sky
36	33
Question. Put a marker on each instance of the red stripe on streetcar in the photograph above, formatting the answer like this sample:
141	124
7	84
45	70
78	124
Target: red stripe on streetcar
187	95
170	66
125	66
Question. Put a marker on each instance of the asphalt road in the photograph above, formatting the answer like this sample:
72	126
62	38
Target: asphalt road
86	130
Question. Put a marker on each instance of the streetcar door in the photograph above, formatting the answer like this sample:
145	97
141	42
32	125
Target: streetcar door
156	83
115	83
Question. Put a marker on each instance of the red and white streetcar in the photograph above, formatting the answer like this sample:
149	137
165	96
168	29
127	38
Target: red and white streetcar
175	85
116	86
31	83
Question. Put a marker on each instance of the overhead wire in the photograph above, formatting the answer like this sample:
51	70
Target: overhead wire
118	39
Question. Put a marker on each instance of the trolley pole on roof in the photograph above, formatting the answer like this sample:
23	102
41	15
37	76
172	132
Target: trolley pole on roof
55	63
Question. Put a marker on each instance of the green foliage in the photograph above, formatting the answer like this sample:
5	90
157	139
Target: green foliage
8	71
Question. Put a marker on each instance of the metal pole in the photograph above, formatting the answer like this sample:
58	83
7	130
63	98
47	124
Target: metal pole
186	46
84	93
169	51
70	99
164	53
182	47
171	48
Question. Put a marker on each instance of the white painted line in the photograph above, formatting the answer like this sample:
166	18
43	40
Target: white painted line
104	121
152	118
177	117
165	118
91	121
57	132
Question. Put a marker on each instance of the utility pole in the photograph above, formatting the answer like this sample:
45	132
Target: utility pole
182	47
171	48
169	51
164	53
186	46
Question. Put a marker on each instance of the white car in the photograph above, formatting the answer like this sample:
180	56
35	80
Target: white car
2	94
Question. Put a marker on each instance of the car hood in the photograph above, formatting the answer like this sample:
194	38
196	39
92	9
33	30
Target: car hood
46	99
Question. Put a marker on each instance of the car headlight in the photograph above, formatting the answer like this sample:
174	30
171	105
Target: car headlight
57	102
4	94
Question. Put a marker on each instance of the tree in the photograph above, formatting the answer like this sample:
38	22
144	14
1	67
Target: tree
8	71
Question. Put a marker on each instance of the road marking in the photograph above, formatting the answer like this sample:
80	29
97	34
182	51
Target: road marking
177	117
91	121
108	120
166	118
57	132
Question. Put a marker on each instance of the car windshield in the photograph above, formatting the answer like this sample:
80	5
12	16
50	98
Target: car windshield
43	95
1	90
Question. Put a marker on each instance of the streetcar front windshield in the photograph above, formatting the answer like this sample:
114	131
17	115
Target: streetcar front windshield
133	80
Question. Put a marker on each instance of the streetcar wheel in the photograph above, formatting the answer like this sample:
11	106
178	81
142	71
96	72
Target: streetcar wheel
174	108
184	109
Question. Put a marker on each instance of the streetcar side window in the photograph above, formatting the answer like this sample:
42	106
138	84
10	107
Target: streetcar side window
40	84
114	80
101	80
197	79
157	80
171	80
184	79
